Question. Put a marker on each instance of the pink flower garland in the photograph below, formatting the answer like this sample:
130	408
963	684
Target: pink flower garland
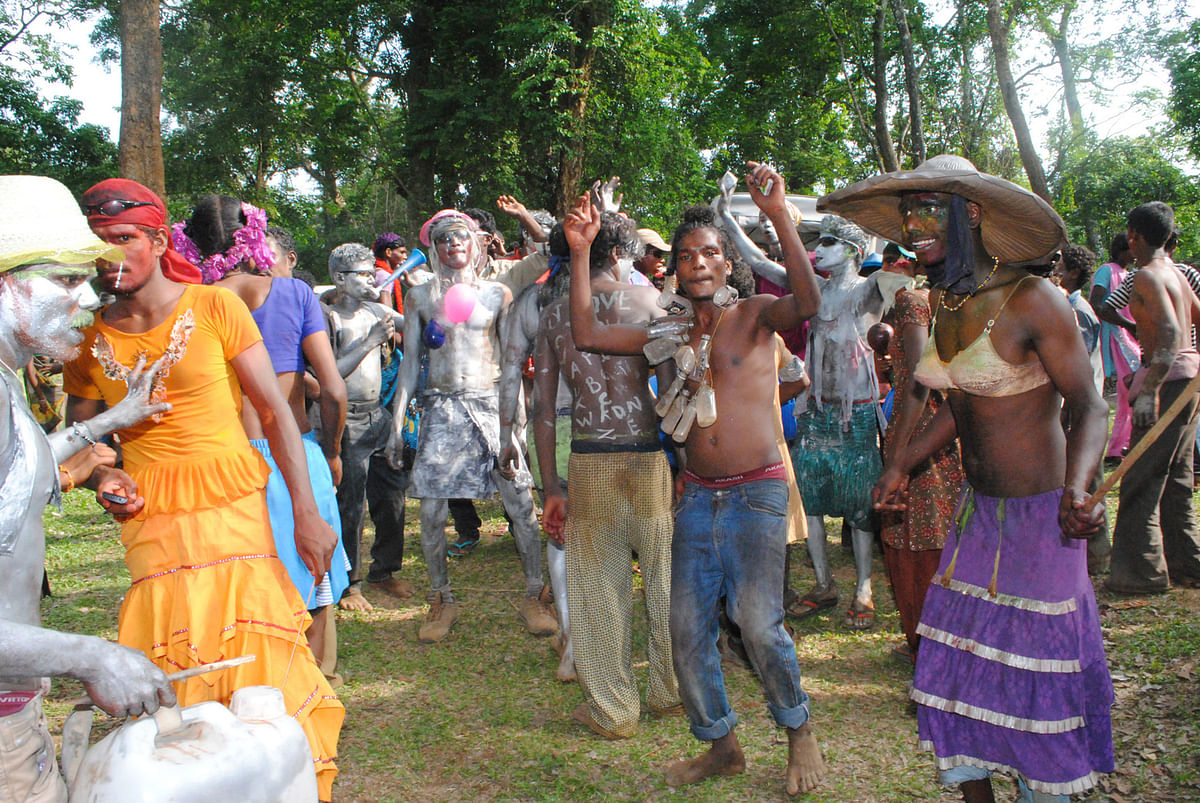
249	245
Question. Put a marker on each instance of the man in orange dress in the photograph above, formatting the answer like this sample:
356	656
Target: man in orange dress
206	583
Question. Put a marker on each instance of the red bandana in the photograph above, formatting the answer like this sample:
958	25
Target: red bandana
174	266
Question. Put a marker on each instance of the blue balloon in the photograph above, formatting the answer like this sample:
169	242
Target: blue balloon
434	335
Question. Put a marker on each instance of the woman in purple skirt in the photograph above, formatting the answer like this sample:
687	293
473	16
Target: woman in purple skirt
1011	675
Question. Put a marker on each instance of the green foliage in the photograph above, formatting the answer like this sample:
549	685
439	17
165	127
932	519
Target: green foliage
45	138
1103	183
1185	88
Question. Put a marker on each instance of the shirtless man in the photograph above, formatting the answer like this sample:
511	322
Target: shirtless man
618	492
45	267
1155	540
730	522
459	441
358	328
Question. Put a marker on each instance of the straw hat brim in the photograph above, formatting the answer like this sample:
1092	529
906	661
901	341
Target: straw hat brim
78	253
1017	226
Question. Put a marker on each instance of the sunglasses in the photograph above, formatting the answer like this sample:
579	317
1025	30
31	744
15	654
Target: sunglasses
451	236
113	208
828	241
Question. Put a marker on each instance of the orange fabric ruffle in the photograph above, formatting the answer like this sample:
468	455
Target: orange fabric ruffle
207	586
206	482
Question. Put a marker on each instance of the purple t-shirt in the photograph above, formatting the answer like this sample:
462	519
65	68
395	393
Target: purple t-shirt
289	314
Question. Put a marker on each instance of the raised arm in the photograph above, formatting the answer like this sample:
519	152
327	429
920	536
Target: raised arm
758	261
589	333
767	190
514	208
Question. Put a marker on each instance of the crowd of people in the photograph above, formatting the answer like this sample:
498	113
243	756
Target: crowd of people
949	403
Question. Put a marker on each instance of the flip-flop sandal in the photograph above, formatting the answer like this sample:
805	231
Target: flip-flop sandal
807	605
859	618
462	548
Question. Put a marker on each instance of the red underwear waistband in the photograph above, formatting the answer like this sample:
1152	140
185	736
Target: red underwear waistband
12	702
775	471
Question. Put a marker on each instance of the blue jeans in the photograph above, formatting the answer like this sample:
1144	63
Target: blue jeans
731	542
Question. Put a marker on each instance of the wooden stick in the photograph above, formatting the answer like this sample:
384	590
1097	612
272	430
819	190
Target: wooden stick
184	674
1144	443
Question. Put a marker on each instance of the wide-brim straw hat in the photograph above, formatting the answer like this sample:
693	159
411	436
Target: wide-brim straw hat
1017	226
40	222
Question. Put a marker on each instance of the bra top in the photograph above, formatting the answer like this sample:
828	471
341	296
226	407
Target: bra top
978	370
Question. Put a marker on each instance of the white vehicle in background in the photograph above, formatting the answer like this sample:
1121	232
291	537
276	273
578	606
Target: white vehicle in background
746	214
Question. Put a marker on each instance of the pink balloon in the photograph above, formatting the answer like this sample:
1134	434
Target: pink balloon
460	302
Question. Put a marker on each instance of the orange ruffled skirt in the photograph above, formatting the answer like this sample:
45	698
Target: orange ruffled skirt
207	586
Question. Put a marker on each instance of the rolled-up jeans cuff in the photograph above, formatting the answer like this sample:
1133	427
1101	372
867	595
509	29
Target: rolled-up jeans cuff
962	774
720	728
790	717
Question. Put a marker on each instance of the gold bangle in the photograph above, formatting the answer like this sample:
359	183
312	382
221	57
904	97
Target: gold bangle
70	479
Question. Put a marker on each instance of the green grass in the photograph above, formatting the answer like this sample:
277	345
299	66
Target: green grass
481	717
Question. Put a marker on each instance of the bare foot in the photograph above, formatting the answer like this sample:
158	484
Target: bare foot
355	602
806	767
723	758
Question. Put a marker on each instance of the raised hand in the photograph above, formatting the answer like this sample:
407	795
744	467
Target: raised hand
604	194
510	205
766	187
582	223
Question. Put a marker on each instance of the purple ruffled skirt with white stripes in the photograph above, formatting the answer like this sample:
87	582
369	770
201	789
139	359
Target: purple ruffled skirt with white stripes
1015	682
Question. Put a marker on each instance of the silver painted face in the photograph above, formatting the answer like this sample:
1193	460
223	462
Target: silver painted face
833	255
358	284
43	307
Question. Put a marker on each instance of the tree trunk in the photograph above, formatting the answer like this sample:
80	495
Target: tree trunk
585	19
416	185
998	31
883	131
1058	38
911	81
139	151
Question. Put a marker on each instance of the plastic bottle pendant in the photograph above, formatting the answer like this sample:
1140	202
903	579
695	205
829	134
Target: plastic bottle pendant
671	419
706	406
660	349
665	399
685	422
685	359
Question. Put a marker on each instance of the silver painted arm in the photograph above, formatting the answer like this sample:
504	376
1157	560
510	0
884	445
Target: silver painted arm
751	253
134	408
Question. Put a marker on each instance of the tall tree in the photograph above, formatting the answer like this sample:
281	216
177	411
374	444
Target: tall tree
999	22
139	151
912	81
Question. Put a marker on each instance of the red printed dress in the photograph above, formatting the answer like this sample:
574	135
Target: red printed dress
913	539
